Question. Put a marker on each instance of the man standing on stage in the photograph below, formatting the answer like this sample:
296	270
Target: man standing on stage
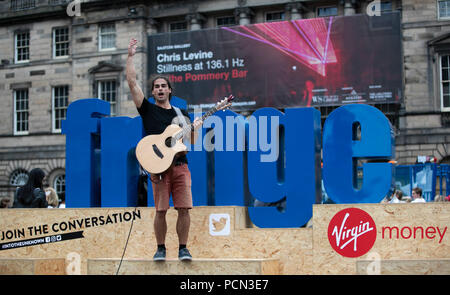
177	179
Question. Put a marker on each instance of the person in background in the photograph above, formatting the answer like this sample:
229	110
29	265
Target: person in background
417	195
51	197
398	197
406	199
62	203
5	202
31	194
440	198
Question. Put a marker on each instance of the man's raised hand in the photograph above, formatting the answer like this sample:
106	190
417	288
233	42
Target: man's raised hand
132	47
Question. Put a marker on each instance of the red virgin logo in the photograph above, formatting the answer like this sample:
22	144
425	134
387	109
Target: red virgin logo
352	232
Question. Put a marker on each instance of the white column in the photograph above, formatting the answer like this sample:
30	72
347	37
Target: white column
295	9
195	20
349	7
243	14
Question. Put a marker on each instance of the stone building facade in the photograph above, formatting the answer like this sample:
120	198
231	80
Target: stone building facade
424	118
53	52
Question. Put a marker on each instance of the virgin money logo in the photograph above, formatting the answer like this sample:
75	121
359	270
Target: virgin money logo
352	232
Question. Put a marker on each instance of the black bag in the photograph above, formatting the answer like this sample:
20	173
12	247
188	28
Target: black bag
39	199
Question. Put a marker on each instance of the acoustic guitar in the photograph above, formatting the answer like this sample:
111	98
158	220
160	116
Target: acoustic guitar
156	153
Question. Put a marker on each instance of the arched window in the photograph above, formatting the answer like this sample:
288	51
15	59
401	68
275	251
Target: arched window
19	177
59	183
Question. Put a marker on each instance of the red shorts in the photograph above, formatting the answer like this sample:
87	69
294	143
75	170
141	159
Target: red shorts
176	180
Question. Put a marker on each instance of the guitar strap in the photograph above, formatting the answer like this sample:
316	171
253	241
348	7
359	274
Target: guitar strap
180	116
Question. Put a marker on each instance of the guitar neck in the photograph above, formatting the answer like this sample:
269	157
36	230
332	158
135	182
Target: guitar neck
209	113
188	129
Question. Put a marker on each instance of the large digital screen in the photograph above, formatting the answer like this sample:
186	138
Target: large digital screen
309	62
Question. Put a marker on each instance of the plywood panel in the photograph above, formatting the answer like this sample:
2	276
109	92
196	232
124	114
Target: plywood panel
175	267
387	246
103	233
293	247
91	233
405	267
32	266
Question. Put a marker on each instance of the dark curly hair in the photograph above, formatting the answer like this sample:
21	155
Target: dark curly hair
153	78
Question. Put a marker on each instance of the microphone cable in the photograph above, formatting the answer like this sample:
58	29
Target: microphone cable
126	243
131	227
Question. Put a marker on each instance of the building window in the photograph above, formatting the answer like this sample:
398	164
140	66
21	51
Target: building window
178	27
60	101
327	11
59	184
445	83
17	5
386	6
20	111
226	21
19	177
60	42
274	16
444	9
22	48
107	91
107	37
390	110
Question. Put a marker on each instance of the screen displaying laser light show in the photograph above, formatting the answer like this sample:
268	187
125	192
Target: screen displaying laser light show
309	62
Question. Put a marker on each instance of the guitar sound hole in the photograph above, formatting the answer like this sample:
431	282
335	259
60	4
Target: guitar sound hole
170	142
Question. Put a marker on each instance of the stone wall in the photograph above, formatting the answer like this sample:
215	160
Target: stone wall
421	131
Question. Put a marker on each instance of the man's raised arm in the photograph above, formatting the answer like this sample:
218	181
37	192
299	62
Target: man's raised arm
136	91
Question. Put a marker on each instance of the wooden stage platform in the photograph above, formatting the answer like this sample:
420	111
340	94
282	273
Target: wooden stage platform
222	240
